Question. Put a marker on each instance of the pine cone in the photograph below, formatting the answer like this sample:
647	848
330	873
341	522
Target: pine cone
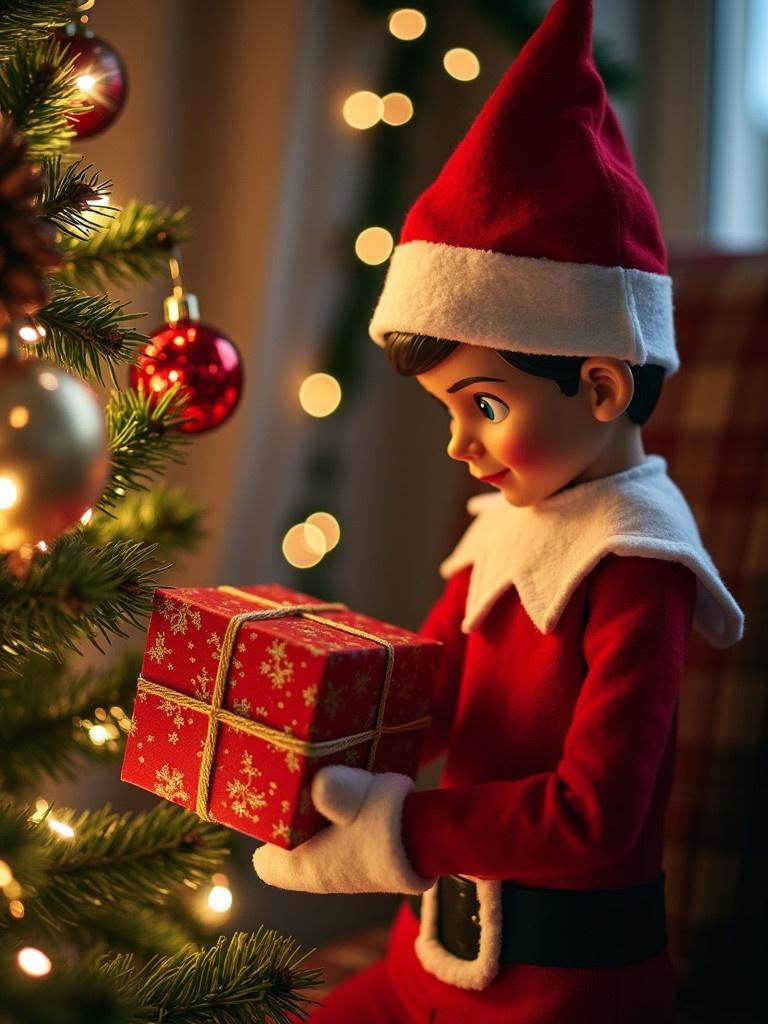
27	241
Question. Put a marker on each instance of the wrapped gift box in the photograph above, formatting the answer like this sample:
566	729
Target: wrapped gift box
245	692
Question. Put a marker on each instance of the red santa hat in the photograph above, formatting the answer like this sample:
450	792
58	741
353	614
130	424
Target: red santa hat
538	235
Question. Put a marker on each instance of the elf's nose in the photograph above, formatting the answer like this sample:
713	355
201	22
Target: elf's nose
463	447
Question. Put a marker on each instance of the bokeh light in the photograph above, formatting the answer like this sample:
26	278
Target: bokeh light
374	245
33	961
407	23
303	546
328	526
398	108
461	64
363	109
320	394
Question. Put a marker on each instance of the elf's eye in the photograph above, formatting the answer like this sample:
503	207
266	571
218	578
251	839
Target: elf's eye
491	407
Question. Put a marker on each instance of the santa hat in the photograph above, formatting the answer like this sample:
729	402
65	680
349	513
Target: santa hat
538	235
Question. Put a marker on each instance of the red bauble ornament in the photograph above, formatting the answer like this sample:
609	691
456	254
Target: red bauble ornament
200	358
101	77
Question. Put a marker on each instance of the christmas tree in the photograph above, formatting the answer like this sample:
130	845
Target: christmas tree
94	923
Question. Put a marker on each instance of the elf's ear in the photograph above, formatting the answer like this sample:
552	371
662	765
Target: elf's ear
609	386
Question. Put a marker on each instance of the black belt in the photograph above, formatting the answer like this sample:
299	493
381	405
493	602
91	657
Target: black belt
557	927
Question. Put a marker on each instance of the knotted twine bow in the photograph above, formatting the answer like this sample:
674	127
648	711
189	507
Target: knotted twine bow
276	737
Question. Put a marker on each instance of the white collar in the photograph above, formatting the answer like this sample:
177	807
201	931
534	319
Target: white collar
545	550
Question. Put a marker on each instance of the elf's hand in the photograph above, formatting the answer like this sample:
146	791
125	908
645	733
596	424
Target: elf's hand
361	850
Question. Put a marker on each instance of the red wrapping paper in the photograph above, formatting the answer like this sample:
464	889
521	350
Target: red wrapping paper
308	680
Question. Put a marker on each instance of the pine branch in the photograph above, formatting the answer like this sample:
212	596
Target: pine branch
129	857
38	91
144	931
22	848
73	200
48	713
167	517
244	979
82	332
74	592
143	437
71	994
33	19
133	246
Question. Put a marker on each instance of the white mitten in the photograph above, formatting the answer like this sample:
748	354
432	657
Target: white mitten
361	850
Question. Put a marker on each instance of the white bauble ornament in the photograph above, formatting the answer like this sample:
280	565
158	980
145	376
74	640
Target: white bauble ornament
54	455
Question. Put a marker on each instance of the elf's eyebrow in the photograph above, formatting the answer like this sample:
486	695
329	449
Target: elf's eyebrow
471	380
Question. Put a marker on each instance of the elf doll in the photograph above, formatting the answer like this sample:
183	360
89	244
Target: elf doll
529	296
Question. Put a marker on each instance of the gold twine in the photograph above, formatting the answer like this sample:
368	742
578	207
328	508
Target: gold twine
276	737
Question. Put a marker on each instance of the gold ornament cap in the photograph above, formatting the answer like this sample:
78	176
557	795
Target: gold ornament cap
180	306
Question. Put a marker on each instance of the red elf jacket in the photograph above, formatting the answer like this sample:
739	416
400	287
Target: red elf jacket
565	628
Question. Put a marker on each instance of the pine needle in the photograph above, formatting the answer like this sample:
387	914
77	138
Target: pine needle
74	200
143	435
86	333
134	245
39	93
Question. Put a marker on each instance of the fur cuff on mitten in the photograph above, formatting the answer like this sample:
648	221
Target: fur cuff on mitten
361	850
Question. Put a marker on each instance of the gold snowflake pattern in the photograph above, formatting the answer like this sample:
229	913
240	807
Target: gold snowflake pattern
158	650
279	668
203	679
292	761
170	783
242	707
214	642
173	737
245	799
281	831
172	710
310	695
180	615
134	727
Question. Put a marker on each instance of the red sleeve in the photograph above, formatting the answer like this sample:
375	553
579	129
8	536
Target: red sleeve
443	623
589	811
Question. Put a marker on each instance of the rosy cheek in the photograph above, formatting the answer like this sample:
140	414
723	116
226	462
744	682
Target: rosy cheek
526	453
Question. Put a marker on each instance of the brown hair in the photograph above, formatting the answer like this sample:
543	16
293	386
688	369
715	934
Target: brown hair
411	354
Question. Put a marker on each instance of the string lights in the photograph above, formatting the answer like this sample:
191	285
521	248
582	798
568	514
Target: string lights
461	64
306	543
406	24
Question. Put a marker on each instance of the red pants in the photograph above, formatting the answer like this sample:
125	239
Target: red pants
399	991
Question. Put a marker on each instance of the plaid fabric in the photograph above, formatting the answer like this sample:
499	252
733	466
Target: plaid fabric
711	425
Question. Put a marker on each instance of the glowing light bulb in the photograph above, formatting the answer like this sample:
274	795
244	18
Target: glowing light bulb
41	546
33	962
48	380
98	735
461	64
407	23
398	108
303	546
362	109
18	417
16	909
374	246
85	83
6	875
61	829
87	516
29	334
320	394
220	899
9	492
328	526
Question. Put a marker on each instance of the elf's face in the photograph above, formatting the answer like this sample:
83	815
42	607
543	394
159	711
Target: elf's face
518	432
